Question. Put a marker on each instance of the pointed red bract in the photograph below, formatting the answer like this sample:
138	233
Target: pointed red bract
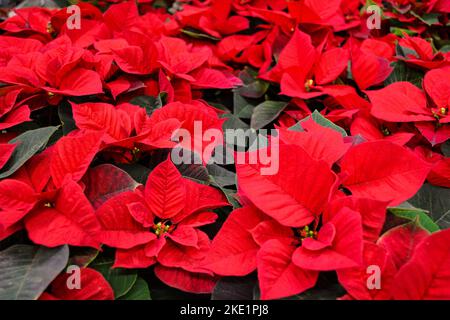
73	155
369	173
298	192
426	275
233	250
93	286
68	219
278	275
164	191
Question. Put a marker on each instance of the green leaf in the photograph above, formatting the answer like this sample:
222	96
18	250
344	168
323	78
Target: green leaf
28	144
428	18
121	280
26	271
197	34
66	118
136	170
326	288
404	51
139	291
400	31
243	108
321	120
445	48
445	148
266	112
435	200
409	212
150	103
253	86
401	72
233	122
235	288
83	256
333	292
221	176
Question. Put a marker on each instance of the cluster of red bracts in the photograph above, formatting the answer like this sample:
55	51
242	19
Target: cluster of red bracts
323	210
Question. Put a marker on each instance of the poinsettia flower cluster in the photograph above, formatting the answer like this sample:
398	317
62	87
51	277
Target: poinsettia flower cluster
91	114
312	224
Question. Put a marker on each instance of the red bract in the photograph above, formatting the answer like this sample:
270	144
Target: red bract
318	68
92	287
367	172
6	151
418	279
291	147
53	218
11	111
370	63
403	102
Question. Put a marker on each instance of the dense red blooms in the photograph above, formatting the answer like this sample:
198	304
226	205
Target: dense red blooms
160	225
299	146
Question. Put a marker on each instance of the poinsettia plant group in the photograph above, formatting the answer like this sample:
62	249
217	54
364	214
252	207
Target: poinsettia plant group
95	205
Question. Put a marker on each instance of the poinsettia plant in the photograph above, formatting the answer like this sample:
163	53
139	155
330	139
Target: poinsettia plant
225	149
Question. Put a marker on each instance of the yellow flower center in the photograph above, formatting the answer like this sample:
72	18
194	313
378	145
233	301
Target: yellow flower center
161	228
306	232
308	84
50	28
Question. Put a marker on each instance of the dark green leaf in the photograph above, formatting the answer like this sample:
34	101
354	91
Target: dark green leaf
137	171
266	112
150	103
321	120
428	18
235	288
405	52
435	200
83	256
139	291
66	118
121	280
221	176
198	35
233	122
402	72
243	108
332	292
28	144
26	271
